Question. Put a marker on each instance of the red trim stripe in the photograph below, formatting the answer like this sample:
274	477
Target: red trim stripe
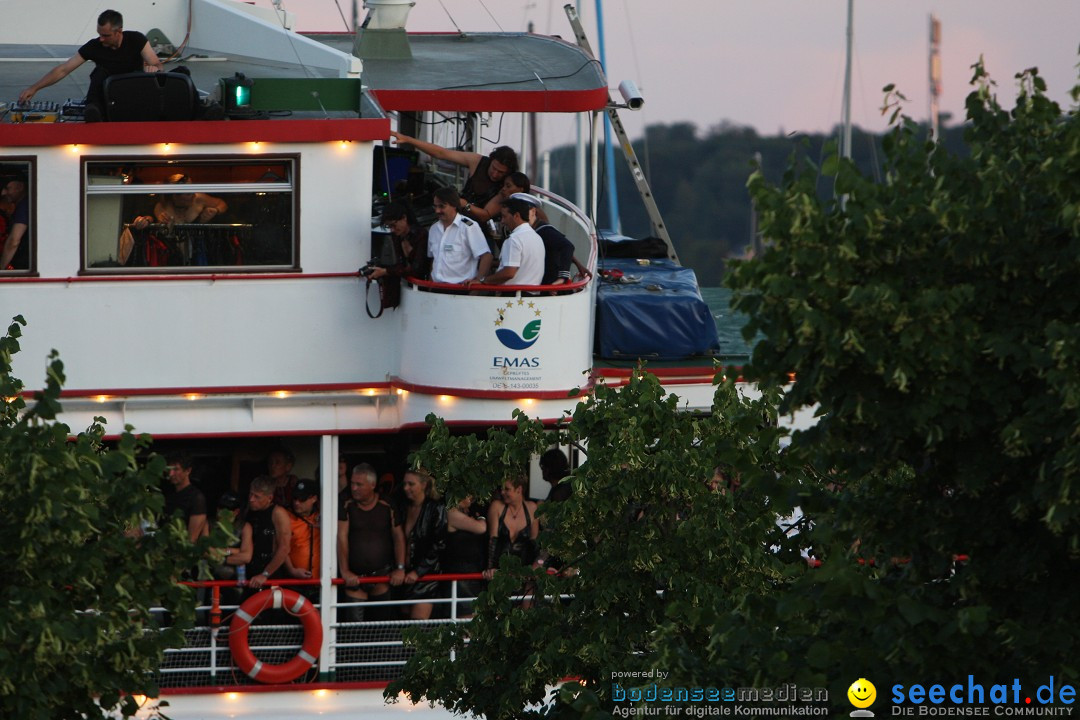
291	688
455	288
488	394
155	277
195	132
567	101
682	371
224	390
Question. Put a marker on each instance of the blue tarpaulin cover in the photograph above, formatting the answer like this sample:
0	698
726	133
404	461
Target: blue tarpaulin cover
654	312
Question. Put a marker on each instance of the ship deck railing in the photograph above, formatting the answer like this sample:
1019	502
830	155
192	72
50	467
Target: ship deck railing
498	290
364	651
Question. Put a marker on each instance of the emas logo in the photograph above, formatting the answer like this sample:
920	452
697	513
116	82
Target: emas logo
513	313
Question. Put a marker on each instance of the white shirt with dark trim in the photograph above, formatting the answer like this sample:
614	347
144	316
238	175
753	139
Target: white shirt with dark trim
524	250
455	250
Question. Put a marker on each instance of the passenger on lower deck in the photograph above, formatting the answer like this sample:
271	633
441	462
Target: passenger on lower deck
423	522
305	555
271	534
370	543
512	525
186	499
466	549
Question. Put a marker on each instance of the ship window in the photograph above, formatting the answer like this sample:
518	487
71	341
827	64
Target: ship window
17	256
190	215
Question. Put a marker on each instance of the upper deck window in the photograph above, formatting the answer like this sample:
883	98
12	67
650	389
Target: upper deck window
190	215
16	217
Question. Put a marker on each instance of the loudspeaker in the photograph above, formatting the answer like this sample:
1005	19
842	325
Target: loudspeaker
142	96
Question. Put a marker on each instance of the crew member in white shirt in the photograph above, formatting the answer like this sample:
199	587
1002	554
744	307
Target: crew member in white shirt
456	245
522	257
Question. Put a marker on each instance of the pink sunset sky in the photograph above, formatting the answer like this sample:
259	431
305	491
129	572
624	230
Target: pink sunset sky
778	65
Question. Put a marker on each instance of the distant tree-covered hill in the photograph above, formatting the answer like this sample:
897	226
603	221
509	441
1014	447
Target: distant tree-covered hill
699	181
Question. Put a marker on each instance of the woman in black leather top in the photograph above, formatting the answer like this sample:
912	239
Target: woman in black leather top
512	526
423	520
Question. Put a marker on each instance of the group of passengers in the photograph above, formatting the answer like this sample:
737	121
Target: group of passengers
276	530
495	204
409	534
399	531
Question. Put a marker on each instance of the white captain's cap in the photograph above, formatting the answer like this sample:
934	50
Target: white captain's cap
526	197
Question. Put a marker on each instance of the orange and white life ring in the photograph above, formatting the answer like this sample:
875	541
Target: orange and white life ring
295	604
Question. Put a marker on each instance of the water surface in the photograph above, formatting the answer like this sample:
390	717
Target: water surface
729	324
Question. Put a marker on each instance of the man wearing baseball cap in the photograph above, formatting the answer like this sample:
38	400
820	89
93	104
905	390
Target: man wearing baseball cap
303	559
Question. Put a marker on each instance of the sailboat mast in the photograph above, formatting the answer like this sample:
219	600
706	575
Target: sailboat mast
609	150
845	137
580	182
935	76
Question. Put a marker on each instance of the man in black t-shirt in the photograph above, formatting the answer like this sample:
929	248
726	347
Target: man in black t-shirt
14	250
186	499
114	51
370	542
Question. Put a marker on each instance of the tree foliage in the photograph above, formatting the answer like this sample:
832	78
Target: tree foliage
698	179
77	634
651	547
933	321
931	318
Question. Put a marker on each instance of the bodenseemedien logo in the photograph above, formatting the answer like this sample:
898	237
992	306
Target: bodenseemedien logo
513	313
861	695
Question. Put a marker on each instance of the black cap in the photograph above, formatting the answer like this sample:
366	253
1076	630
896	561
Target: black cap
305	489
229	502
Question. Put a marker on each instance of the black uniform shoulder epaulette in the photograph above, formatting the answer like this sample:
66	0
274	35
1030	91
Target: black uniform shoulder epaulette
466	221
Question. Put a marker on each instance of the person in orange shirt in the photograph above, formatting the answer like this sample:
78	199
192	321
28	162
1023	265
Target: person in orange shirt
304	557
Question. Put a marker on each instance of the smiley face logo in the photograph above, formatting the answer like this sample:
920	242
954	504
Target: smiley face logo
862	693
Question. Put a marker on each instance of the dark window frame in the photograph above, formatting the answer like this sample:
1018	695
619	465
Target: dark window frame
184	163
31	197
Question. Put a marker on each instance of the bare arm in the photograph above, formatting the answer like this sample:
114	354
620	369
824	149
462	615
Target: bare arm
211	207
582	270
52	77
14	239
459	157
460	521
397	575
483	214
501	277
242	555
162	213
151	63
197	527
290	569
348	575
282	542
484	266
534	527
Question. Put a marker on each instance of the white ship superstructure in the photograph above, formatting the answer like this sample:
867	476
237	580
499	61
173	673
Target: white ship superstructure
233	335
